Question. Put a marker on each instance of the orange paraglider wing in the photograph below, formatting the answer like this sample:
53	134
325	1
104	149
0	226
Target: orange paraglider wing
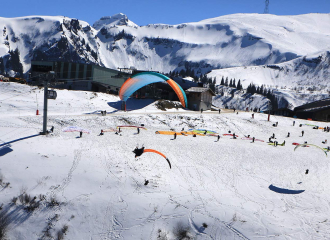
154	151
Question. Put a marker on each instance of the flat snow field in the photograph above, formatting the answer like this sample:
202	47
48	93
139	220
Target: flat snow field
93	187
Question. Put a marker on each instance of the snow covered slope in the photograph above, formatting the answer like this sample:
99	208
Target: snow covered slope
312	70
226	41
93	187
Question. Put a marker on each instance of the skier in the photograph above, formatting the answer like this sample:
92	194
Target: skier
52	129
302	133
253	139
138	130
80	134
218	138
174	135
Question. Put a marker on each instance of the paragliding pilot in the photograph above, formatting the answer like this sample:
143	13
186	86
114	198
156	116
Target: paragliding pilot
138	151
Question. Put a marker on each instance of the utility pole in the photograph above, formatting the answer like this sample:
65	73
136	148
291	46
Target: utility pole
49	76
266	7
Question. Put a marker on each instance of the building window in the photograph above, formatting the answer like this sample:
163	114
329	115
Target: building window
73	70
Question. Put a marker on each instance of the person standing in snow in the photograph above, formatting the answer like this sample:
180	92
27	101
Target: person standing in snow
138	130
80	134
234	136
306	171
205	132
219	110
294	122
302	133
288	134
174	135
218	138
52	129
101	133
252	115
202	110
253	139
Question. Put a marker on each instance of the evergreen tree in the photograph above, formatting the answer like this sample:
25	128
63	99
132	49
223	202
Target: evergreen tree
226	82
222	81
234	84
231	83
239	87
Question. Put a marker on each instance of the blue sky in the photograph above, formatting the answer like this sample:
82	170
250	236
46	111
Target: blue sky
143	12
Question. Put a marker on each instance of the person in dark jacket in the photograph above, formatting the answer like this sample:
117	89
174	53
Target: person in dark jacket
80	133
218	138
52	129
174	135
138	130
302	133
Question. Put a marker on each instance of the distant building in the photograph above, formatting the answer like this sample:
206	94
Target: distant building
282	112
199	98
78	76
318	110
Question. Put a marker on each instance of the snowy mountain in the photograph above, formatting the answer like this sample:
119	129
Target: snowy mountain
222	42
62	186
312	70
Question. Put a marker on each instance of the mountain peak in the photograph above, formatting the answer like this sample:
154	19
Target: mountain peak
118	19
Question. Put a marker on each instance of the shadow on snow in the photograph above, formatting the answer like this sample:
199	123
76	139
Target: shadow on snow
284	191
